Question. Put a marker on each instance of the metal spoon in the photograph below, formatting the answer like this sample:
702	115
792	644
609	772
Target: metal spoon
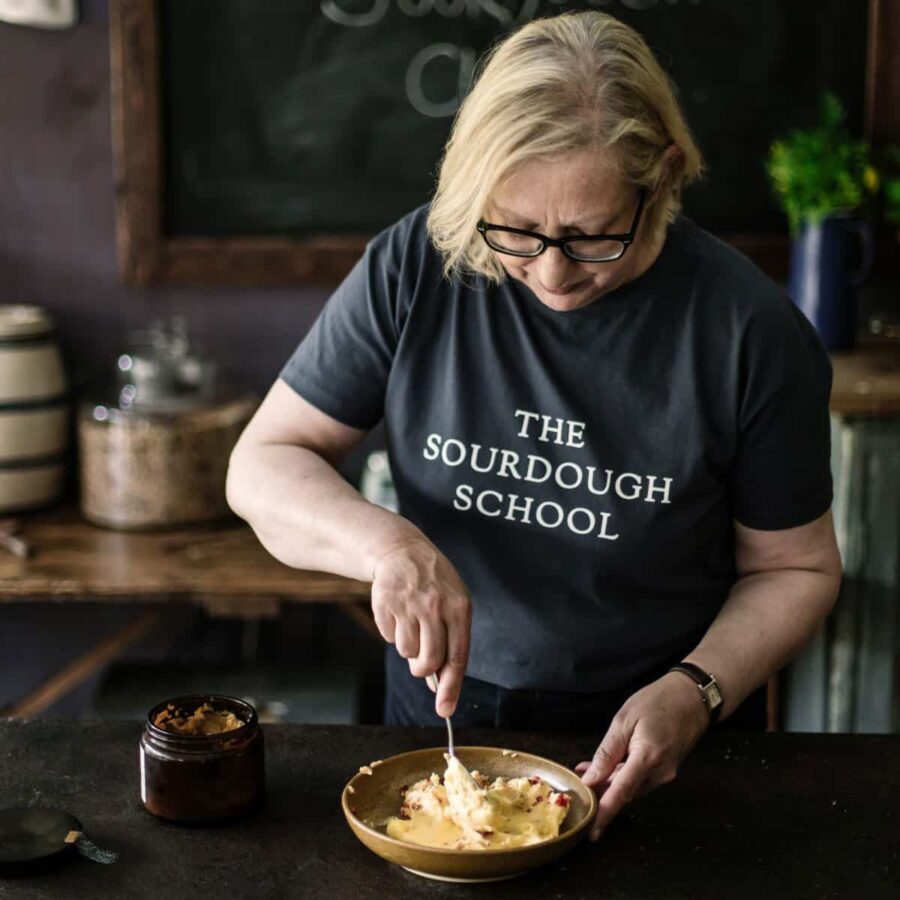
433	681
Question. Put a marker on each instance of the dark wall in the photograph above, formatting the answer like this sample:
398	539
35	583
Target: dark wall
57	242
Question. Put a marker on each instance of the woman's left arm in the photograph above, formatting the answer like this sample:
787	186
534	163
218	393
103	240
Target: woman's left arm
787	583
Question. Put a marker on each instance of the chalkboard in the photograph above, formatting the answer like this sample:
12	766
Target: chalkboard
328	116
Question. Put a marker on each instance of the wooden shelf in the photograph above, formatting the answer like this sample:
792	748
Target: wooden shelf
73	559
867	380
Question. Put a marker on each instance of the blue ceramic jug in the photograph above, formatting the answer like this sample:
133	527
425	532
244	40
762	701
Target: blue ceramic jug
822	281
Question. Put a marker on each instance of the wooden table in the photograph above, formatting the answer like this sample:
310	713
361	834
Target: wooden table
867	381
224	569
72	559
774	816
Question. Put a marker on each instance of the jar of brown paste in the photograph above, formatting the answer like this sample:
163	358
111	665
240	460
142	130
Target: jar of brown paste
202	759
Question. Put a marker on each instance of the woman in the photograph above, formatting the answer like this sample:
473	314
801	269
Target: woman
608	430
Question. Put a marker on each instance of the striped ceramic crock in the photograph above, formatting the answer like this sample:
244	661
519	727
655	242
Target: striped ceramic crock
34	410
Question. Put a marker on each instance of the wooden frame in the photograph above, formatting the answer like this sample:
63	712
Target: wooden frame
147	255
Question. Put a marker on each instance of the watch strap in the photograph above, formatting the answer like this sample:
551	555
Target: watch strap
705	682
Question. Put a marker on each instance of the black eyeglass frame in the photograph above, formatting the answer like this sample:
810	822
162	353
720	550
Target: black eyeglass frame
624	239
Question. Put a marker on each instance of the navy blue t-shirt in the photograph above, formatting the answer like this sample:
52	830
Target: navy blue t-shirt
582	470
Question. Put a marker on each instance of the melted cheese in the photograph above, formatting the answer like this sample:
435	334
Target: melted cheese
455	813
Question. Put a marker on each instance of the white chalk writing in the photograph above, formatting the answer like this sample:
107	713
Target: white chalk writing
507	15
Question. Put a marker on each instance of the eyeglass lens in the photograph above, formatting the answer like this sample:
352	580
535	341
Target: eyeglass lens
524	245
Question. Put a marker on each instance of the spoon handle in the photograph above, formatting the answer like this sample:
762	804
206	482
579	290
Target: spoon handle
433	680
450	748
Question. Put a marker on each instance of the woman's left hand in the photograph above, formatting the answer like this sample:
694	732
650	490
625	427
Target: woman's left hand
646	742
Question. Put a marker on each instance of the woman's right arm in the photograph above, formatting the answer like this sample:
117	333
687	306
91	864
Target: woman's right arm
282	480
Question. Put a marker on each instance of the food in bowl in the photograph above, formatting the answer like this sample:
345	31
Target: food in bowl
460	812
370	800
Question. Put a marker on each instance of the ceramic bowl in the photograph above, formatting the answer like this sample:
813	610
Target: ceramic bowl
369	800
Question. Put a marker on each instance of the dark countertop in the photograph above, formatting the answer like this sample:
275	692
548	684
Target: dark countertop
761	816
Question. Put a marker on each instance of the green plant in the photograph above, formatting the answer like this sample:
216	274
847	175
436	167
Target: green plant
892	186
821	171
892	201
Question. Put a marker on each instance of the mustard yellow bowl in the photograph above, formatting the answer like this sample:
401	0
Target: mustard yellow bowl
369	800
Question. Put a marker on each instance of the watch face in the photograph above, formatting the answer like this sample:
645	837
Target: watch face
714	695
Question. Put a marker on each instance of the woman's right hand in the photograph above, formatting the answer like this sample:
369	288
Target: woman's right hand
421	605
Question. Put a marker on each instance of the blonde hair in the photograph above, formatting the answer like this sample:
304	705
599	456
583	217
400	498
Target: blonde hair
567	82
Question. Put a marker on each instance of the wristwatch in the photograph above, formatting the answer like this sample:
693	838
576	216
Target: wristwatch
710	695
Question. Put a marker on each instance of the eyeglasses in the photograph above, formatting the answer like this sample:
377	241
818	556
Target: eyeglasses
581	248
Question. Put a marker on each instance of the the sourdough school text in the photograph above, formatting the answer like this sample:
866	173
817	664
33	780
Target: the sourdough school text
533	468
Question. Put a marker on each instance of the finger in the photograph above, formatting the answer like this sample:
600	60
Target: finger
406	634
457	658
650	783
584	766
432	648
657	777
386	623
609	754
622	790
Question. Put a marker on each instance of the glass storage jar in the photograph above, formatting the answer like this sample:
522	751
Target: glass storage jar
155	443
197	778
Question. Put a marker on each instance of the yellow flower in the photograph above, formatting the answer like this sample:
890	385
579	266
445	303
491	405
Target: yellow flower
870	179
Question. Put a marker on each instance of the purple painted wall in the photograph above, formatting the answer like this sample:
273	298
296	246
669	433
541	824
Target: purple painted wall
57	249
57	245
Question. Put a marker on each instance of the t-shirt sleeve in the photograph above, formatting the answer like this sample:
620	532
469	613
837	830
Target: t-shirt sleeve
781	476
343	363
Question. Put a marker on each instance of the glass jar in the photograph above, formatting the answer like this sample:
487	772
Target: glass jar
196	778
145	470
155	440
